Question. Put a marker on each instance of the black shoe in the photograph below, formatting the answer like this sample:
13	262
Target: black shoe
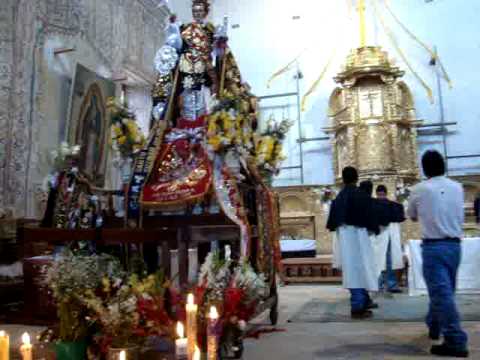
363	314
371	305
395	291
444	350
434	334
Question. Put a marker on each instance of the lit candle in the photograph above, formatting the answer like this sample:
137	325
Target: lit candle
181	342
26	348
4	345
192	309
212	339
122	355
196	353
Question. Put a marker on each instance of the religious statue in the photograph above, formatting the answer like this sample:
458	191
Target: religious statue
203	141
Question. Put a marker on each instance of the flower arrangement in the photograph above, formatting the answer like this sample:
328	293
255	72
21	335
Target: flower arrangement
234	288
268	146
402	192
126	136
70	276
229	125
327	194
60	157
128	310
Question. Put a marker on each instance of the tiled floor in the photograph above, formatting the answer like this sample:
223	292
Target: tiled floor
359	340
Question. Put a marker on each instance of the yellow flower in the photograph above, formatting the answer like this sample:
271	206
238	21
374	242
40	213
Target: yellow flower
122	140
215	142
106	284
117	130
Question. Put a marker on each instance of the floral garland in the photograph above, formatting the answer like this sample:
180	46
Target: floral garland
126	136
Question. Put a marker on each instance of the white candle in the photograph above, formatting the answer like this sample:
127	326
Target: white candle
122	355
196	354
4	345
26	348
181	342
192	309
212	339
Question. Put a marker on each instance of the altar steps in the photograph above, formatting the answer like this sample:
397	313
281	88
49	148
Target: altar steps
317	269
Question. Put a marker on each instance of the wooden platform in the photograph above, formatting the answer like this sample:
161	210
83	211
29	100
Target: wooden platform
310	270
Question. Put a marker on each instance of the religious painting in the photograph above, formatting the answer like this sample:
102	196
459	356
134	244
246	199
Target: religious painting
89	122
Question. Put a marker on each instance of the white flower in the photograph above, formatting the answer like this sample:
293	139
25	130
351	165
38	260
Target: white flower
188	82
242	325
76	149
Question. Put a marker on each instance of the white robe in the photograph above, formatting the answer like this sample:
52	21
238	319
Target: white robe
359	270
390	234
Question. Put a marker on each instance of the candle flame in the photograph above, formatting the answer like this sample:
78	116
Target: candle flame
123	355
180	330
26	339
190	299
2	333
213	313
196	354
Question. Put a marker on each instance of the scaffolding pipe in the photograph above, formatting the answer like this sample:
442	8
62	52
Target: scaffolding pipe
299	118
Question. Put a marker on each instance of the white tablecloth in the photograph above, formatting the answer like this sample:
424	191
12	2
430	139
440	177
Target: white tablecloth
468	281
298	245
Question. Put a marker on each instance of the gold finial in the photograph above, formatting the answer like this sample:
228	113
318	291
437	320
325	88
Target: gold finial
363	28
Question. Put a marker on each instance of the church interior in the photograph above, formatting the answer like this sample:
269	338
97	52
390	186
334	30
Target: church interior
174	174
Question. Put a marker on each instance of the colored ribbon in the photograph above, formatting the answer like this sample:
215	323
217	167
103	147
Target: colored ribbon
284	69
432	53
317	82
400	52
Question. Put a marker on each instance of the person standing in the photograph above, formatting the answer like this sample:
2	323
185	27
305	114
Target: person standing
350	217
476	208
390	255
437	203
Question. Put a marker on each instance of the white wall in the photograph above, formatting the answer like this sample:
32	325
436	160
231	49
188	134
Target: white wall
268	38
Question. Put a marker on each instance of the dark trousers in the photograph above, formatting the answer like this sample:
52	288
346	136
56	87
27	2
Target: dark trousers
440	264
359	299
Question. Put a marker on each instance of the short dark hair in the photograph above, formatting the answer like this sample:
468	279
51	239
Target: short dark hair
349	175
367	186
433	164
381	188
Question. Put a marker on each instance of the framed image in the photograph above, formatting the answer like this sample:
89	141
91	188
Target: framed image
89	121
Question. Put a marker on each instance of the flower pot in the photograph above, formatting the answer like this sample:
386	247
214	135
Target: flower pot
131	352
76	350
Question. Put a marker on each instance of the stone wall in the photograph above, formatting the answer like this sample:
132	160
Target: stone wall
114	38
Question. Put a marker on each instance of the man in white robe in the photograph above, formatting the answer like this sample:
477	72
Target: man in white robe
352	218
388	245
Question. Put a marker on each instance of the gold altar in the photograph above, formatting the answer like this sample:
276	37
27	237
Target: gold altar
373	120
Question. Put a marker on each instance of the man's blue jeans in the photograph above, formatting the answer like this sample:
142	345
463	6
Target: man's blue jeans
359	299
440	264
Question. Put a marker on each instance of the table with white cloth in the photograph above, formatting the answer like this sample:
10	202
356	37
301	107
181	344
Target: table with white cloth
468	280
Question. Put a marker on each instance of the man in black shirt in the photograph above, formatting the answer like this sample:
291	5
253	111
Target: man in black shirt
351	217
